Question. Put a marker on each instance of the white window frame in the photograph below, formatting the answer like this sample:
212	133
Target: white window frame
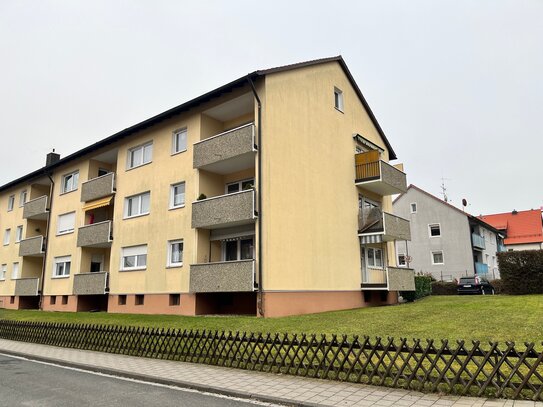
240	184
170	263
238	248
411	207
23	198
19	234
137	252
139	205
15	269
11	202
66	231
339	102
74	179
63	264
7	237
129	161
430	225
432	257
404	260
172	195
374	266
175	145
3	271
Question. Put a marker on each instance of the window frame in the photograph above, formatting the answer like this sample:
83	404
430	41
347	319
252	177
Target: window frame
3	271
238	248
140	213
7	234
19	233
172	195
141	147
75	185
64	260
137	256
411	207
430	225
404	260
176	133
22	201
169	262
432	252
339	101
240	184
67	231
15	276
11	202
374	250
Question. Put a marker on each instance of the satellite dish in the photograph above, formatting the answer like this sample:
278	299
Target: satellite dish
464	202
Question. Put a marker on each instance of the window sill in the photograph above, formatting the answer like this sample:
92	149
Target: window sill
65	233
339	110
67	192
133	269
2	279
179	152
136	216
173	208
138	166
174	266
60	277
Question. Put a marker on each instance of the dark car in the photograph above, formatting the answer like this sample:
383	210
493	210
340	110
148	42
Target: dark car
474	285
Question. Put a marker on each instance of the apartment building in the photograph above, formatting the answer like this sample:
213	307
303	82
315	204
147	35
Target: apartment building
268	196
523	229
446	241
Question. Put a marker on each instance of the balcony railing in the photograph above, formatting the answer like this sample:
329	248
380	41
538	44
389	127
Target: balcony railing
91	283
36	208
389	278
32	247
227	276
375	226
478	241
378	176
95	235
481	268
27	287
225	210
226	152
98	187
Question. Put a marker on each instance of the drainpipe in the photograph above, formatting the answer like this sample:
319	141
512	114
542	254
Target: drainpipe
44	263
259	301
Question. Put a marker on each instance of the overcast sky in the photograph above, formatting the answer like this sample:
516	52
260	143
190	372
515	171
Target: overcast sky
456	85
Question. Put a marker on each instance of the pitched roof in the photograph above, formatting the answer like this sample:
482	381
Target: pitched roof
521	226
242	81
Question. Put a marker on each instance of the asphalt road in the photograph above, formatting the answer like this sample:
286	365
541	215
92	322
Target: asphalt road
27	383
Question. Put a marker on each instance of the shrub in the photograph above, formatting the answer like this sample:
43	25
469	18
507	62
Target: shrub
521	271
423	288
498	286
444	288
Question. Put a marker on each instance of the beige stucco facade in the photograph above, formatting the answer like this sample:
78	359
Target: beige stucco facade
308	220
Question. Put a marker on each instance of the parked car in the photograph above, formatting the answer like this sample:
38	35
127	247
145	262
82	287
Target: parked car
474	285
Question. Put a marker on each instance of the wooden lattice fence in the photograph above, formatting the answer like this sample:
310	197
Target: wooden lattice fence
458	368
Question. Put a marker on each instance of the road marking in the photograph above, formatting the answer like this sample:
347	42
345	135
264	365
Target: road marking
127	379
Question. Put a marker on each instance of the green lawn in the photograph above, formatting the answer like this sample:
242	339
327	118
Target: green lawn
486	318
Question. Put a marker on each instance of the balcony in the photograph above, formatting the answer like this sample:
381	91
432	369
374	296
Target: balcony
227	152
95	235
378	176
97	188
32	247
36	209
227	276
375	226
224	211
478	241
91	283
27	287
390	279
481	269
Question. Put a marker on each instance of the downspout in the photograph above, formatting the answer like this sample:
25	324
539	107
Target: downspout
259	301
44	263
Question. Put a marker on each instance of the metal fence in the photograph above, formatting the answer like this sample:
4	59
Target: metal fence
460	368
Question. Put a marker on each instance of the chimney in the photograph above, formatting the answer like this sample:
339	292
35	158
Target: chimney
514	212
52	158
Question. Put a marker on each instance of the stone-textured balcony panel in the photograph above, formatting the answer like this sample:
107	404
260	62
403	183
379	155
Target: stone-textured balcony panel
396	228
97	188
400	279
229	276
378	176
224	211
91	283
95	235
37	208
27	287
228	152
32	247
378	226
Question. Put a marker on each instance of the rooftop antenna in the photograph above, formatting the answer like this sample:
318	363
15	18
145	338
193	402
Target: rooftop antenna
444	189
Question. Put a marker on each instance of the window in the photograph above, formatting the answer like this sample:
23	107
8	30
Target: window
12	299
402	262
64	300
139	299
238	249
414	207
11	202
62	266
53	300
177	195
437	257
19	234
70	182
240	186
122	299
338	99
435	230
22	198
66	223
3	271
140	155
7	236
179	141
175	253
15	271
137	205
134	258
102	172
374	257
175	299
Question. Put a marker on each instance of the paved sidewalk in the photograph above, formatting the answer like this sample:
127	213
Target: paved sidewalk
285	389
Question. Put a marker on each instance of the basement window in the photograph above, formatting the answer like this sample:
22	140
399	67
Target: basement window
64	300
175	300
53	300
139	299
12	300
122	299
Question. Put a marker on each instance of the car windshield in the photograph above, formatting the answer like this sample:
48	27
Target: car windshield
467	280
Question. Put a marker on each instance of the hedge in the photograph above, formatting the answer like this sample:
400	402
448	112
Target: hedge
423	288
521	271
444	288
